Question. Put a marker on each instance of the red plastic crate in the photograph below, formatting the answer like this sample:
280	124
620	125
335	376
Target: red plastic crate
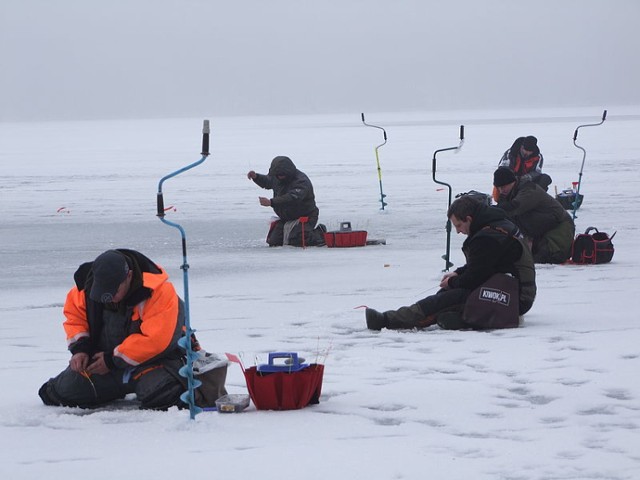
342	239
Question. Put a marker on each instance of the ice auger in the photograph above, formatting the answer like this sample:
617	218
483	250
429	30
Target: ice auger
384	134
446	256
185	342
584	155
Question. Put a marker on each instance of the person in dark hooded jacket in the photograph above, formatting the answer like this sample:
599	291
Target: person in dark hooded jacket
492	246
293	202
541	218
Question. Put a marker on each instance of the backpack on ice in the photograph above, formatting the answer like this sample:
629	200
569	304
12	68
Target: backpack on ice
494	304
592	248
479	196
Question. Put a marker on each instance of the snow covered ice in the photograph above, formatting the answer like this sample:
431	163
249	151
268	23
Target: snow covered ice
555	399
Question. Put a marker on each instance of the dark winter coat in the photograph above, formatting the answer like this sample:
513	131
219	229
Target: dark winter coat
492	247
532	209
293	196
541	218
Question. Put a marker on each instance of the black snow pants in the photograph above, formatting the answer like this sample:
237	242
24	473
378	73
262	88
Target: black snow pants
157	386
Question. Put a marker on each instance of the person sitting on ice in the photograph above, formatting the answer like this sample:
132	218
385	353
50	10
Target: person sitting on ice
123	322
293	202
492	247
545	223
525	160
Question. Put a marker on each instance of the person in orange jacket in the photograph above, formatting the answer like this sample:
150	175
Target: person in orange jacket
123	322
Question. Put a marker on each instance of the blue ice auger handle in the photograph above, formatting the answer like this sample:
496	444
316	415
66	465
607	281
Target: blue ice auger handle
186	371
205	153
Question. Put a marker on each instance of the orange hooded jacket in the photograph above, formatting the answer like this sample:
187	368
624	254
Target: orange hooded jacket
160	321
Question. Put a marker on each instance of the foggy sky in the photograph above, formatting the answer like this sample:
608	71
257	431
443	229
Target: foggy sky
79	59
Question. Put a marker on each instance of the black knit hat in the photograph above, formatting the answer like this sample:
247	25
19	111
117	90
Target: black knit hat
530	143
503	176
109	271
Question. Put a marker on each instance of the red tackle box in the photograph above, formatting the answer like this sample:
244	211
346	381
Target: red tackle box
284	387
345	237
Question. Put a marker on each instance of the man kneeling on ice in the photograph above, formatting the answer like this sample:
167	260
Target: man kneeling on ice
544	222
123	322
493	247
293	201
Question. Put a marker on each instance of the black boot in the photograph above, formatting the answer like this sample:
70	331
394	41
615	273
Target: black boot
375	319
47	396
451	320
408	317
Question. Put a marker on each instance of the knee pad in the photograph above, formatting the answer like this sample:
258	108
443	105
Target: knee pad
159	387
